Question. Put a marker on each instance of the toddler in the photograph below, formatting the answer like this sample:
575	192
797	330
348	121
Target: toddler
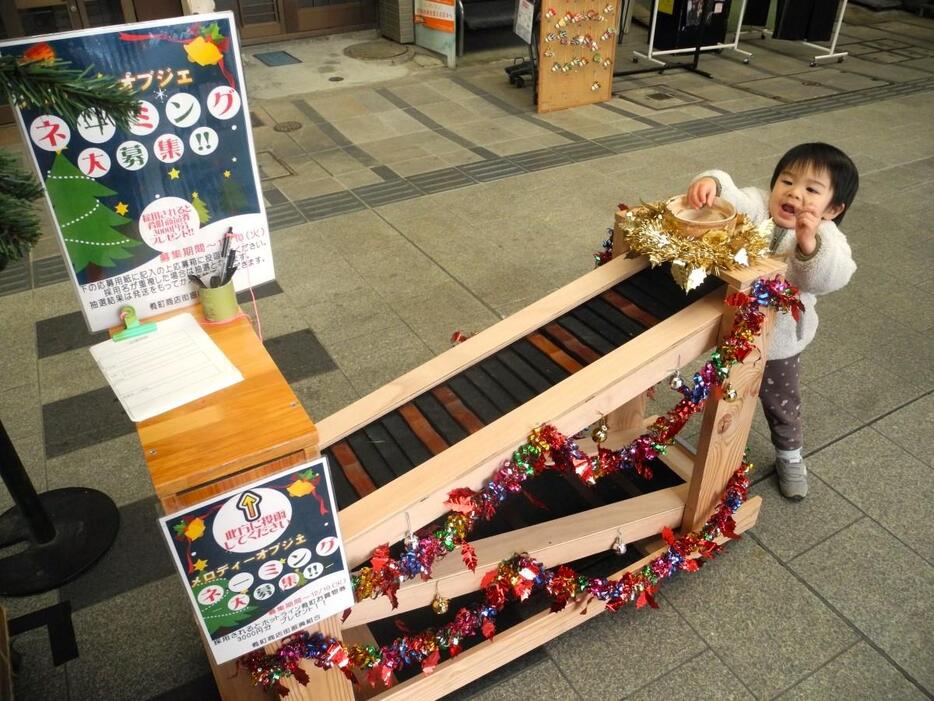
812	187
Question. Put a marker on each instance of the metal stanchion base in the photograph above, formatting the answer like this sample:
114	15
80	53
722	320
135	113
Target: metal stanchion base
86	523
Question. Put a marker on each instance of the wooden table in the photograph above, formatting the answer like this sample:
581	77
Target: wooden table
231	437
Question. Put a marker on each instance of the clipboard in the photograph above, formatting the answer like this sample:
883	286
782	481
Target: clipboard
165	367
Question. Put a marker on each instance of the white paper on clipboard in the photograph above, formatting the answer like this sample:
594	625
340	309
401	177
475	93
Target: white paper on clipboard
164	369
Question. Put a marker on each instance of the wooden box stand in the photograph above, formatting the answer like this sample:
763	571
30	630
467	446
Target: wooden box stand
613	386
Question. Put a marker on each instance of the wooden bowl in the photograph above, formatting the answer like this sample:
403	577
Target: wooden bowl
684	220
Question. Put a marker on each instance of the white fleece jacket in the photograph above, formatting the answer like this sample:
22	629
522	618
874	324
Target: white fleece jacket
829	268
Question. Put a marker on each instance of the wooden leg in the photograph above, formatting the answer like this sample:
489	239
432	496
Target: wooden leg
725	429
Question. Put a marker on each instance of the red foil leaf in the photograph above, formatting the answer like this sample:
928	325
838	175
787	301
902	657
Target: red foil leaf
488	578
430	662
469	556
380	557
488	628
668	535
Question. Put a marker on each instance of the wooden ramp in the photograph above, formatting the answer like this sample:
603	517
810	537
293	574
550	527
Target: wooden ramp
587	351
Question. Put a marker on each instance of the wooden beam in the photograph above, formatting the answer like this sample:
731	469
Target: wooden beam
525	636
575	402
726	425
464	355
553	542
680	461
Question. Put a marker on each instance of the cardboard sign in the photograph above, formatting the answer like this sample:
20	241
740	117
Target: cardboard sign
138	210
264	561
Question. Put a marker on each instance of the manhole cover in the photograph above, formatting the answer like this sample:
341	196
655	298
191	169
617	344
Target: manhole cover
810	83
287	126
375	50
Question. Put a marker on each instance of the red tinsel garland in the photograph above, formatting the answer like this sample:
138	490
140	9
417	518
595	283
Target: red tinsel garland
515	579
518	577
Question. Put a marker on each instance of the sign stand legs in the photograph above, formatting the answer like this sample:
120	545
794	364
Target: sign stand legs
67	530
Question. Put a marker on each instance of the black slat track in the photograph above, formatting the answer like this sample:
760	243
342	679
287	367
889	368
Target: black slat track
395	443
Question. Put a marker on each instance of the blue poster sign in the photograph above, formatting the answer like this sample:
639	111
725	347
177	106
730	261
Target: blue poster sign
141	209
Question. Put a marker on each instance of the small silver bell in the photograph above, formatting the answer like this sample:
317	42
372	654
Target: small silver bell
676	382
619	546
411	541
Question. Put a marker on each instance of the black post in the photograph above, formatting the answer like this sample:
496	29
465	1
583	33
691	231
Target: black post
65	530
23	493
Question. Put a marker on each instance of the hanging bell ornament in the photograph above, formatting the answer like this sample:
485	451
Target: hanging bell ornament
439	604
676	382
599	432
730	394
619	546
411	541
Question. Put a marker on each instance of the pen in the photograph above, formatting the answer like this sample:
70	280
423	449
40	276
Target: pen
195	279
229	266
222	259
225	245
230	275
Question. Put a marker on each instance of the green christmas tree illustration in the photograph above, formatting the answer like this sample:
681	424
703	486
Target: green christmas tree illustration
218	615
204	216
232	196
87	225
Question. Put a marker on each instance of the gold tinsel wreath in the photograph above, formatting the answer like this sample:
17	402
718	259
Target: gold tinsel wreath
693	259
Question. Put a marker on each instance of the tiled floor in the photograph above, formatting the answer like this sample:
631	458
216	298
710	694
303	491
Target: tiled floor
448	187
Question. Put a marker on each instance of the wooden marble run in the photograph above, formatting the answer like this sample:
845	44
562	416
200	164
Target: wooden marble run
588	350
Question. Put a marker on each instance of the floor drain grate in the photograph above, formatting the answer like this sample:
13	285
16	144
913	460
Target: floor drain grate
287	126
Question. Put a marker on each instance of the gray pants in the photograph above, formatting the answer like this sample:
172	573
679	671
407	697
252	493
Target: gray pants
781	401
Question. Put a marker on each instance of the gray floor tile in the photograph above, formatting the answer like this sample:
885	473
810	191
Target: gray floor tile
753	612
859	673
118	646
115	467
21	412
31	454
704	677
883	481
368	366
544	677
910	428
69	374
324	393
644	644
39	678
885	589
788	528
866	389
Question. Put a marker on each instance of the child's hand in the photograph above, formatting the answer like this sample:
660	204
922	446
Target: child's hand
806	223
702	193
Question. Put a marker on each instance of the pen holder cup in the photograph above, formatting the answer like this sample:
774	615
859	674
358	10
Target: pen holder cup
219	303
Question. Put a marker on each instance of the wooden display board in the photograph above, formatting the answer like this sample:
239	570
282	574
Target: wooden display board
576	52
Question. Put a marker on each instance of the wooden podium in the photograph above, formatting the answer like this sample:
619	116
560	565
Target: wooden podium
240	434
231	437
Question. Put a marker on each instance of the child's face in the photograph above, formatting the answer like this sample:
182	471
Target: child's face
799	189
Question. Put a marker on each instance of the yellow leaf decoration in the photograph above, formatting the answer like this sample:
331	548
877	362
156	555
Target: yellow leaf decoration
202	52
300	488
195	529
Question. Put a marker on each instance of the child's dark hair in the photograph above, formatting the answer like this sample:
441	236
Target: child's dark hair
844	178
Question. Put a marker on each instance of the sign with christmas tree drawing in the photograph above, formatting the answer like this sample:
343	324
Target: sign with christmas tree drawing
264	561
138	210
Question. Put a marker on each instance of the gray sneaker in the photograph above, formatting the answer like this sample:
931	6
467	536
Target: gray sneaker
792	478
